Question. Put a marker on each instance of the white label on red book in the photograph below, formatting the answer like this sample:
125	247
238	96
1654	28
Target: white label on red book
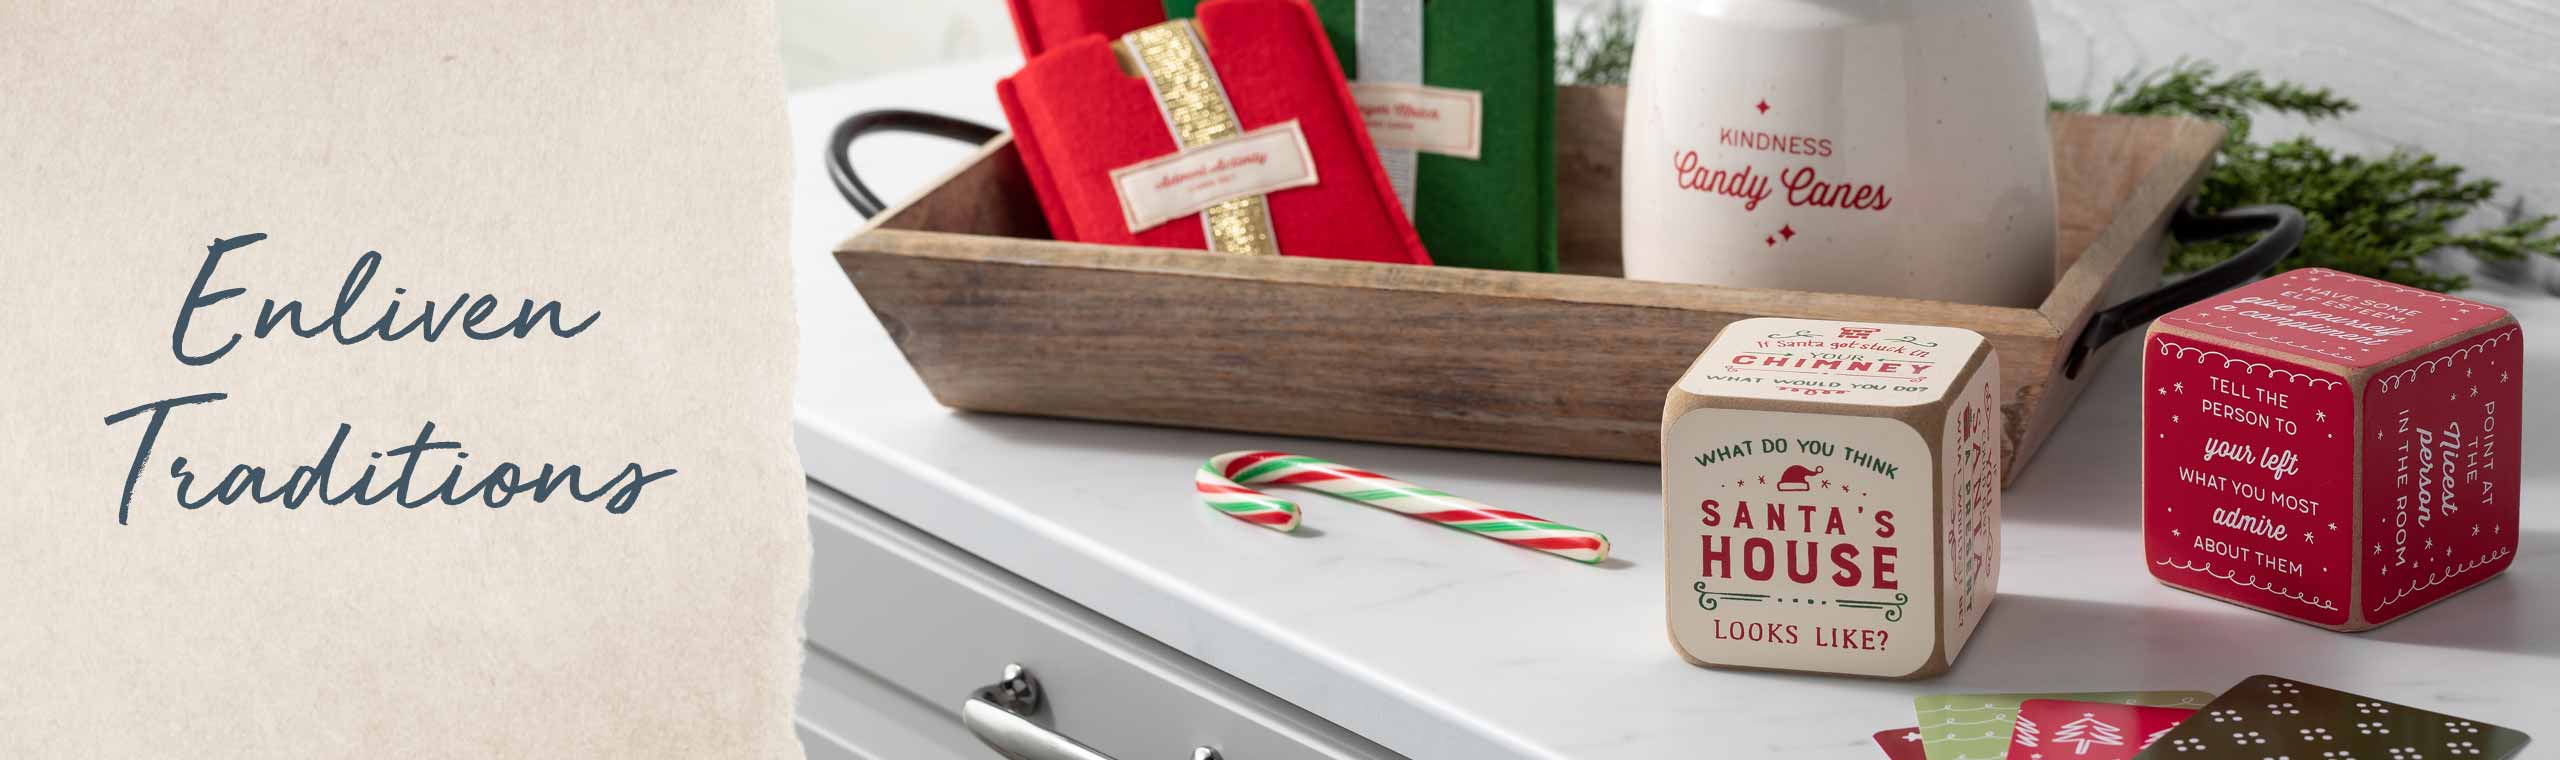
1184	182
1838	362
1422	118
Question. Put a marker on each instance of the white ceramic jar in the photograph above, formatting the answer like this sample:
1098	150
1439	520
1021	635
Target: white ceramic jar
1884	147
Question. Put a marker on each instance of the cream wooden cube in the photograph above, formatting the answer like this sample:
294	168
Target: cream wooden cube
1831	497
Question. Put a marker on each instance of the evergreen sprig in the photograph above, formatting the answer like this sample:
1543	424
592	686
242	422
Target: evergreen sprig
2373	216
1599	48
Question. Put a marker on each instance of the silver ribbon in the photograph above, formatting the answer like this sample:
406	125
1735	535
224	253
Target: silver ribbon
1390	42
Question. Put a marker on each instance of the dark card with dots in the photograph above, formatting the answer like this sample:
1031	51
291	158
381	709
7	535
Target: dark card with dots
2269	717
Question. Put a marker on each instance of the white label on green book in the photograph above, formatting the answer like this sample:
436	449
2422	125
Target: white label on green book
1439	120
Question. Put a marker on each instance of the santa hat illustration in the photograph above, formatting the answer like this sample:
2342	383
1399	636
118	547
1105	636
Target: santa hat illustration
1795	477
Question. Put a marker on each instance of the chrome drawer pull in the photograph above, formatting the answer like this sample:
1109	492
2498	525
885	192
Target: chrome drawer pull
998	715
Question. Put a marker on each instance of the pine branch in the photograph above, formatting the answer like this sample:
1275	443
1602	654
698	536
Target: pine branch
2376	217
2189	88
1599	48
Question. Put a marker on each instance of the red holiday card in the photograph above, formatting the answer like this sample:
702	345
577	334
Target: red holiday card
1902	744
2056	729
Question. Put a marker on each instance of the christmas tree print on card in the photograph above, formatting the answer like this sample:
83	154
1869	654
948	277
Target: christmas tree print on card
2055	729
1982	726
2084	731
2269	717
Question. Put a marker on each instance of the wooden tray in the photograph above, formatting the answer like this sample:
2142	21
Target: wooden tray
997	318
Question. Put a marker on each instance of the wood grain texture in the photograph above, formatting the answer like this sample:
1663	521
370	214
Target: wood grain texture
1587	188
1565	364
1006	213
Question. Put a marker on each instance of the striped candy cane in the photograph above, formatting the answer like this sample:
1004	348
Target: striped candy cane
1217	482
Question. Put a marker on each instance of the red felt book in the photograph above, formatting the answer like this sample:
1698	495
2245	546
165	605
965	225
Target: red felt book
1044	24
1086	126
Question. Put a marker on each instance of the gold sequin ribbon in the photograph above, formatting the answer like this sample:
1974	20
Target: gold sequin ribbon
1175	64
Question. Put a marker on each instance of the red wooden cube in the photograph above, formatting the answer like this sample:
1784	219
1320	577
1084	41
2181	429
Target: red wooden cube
2330	448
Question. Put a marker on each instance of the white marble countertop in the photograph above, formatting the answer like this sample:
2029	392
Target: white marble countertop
1438	645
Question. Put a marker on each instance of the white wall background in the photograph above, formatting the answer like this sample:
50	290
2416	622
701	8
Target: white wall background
2475	81
829	41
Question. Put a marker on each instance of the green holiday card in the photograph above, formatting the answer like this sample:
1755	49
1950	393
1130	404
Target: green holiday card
1976	726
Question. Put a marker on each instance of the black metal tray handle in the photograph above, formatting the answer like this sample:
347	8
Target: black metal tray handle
2283	225
840	168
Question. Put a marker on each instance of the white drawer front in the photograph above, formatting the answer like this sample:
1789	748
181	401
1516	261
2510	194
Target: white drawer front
937	623
846	713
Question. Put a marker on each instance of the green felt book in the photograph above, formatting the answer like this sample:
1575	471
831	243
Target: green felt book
1498	210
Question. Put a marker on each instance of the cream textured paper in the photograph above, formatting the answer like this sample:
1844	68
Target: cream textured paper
622	159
